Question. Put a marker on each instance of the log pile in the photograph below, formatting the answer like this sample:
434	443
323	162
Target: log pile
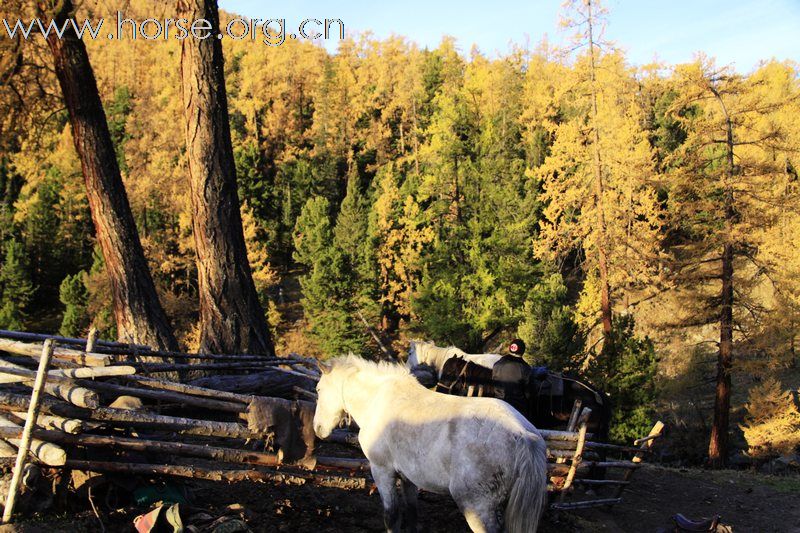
106	405
110	407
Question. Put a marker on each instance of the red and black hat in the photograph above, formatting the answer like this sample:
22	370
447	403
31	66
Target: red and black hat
516	347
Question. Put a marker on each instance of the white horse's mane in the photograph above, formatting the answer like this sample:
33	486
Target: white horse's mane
426	352
380	369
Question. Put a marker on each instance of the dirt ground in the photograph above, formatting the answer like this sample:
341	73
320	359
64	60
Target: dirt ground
749	502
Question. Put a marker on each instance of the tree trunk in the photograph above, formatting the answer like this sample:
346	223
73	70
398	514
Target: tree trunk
602	256
138	313
718	443
231	317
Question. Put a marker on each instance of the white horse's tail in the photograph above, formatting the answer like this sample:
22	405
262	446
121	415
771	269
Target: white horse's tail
528	495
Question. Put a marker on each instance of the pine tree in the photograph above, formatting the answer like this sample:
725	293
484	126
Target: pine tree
17	289
548	327
328	298
630	380
118	111
74	295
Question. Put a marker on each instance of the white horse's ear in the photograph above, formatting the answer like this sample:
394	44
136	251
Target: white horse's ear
324	367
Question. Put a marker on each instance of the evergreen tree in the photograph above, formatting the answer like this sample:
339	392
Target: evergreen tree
328	298
16	286
74	295
118	111
630	380
548	327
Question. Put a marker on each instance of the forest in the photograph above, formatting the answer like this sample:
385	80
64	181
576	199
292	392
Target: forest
638	225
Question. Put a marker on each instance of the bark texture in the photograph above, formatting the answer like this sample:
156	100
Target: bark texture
137	311
231	317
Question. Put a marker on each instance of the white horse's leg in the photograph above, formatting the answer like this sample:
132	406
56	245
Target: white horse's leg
479	508
481	521
410	510
386	479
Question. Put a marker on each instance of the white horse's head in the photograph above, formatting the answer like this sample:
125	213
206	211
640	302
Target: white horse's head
330	400
417	352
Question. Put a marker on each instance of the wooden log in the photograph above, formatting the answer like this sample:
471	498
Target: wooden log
25	439
556	469
615	448
571	425
122	353
231	476
593	446
8	457
227	455
193	390
6	449
583	420
155	368
552	434
41	337
611	464
643	440
122	348
27	362
344	437
95	372
80	372
560	454
312	372
573	417
561	444
67	425
306	394
186	426
585	504
210	357
61	387
598	482
646	444
296	373
34	349
167	396
74	394
91	340
125	418
269	382
47	453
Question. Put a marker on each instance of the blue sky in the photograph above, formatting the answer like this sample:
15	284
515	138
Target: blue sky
738	32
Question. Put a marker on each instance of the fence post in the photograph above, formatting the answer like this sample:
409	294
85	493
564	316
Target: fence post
30	423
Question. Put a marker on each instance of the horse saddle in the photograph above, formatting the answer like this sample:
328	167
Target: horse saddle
696	526
553	385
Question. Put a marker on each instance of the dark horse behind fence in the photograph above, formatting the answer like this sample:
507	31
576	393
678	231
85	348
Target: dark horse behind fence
551	396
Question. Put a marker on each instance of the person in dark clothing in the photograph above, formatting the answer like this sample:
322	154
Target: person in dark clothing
511	375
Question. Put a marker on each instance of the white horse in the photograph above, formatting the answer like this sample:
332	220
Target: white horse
427	353
479	450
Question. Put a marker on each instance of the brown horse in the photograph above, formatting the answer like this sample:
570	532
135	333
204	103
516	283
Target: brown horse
550	396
